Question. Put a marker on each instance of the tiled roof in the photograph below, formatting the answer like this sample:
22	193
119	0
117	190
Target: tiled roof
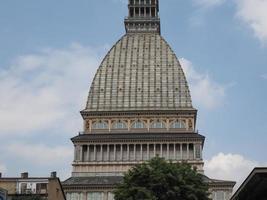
140	72
136	136
113	180
93	181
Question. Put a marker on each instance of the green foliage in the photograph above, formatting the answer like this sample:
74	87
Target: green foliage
160	180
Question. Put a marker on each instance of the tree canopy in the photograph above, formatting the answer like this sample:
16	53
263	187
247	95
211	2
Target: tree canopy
160	180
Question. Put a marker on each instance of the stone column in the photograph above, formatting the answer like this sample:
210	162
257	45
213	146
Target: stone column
128	152
75	152
81	153
121	152
88	152
160	150
84	196
187	149
181	150
168	151
115	151
147	151
200	151
108	151
134	152
109	125
101	152
94	152
154	149
174	151
194	150
141	152
90	122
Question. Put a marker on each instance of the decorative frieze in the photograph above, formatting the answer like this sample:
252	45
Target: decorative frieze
135	124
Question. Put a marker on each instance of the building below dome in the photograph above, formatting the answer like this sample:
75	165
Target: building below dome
139	106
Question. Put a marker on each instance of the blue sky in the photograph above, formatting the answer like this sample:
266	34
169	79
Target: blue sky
50	51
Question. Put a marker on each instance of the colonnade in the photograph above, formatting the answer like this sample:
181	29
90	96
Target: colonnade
143	11
137	152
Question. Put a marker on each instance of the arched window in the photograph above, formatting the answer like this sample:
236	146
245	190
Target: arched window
157	124
178	124
100	125
138	125
119	125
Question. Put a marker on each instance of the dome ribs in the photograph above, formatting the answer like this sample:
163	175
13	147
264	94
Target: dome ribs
140	72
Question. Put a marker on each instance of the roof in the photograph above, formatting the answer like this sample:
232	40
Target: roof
254	187
137	136
93	181
110	181
25	179
140	72
216	182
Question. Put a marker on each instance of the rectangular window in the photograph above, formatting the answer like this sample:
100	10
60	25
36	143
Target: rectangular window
171	151
151	151
84	152
164	151
23	188
124	152
91	153
98	153
118	152
131	148
198	151
145	152
95	196
219	195
41	188
138	152
105	153
191	151
74	196
111	152
110	196
78	153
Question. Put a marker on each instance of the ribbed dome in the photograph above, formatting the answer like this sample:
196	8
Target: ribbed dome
140	72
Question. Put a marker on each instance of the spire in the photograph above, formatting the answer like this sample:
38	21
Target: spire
143	16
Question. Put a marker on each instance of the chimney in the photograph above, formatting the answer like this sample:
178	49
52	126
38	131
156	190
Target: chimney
24	175
53	175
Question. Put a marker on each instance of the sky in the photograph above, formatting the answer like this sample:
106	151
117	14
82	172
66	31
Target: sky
50	51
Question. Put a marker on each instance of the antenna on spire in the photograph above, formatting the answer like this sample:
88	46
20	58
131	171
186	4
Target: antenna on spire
143	16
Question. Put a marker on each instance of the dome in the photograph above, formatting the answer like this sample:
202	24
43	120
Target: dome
140	72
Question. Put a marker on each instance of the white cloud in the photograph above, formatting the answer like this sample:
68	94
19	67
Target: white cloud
205	92
45	89
254	14
231	167
40	154
208	3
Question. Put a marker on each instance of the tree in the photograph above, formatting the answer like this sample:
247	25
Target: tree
160	180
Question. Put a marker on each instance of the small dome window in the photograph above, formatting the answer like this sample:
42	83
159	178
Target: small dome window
100	125
119	125
178	124
157	124
138	125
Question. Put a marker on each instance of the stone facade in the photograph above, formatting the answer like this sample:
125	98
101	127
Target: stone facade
48	188
139	106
